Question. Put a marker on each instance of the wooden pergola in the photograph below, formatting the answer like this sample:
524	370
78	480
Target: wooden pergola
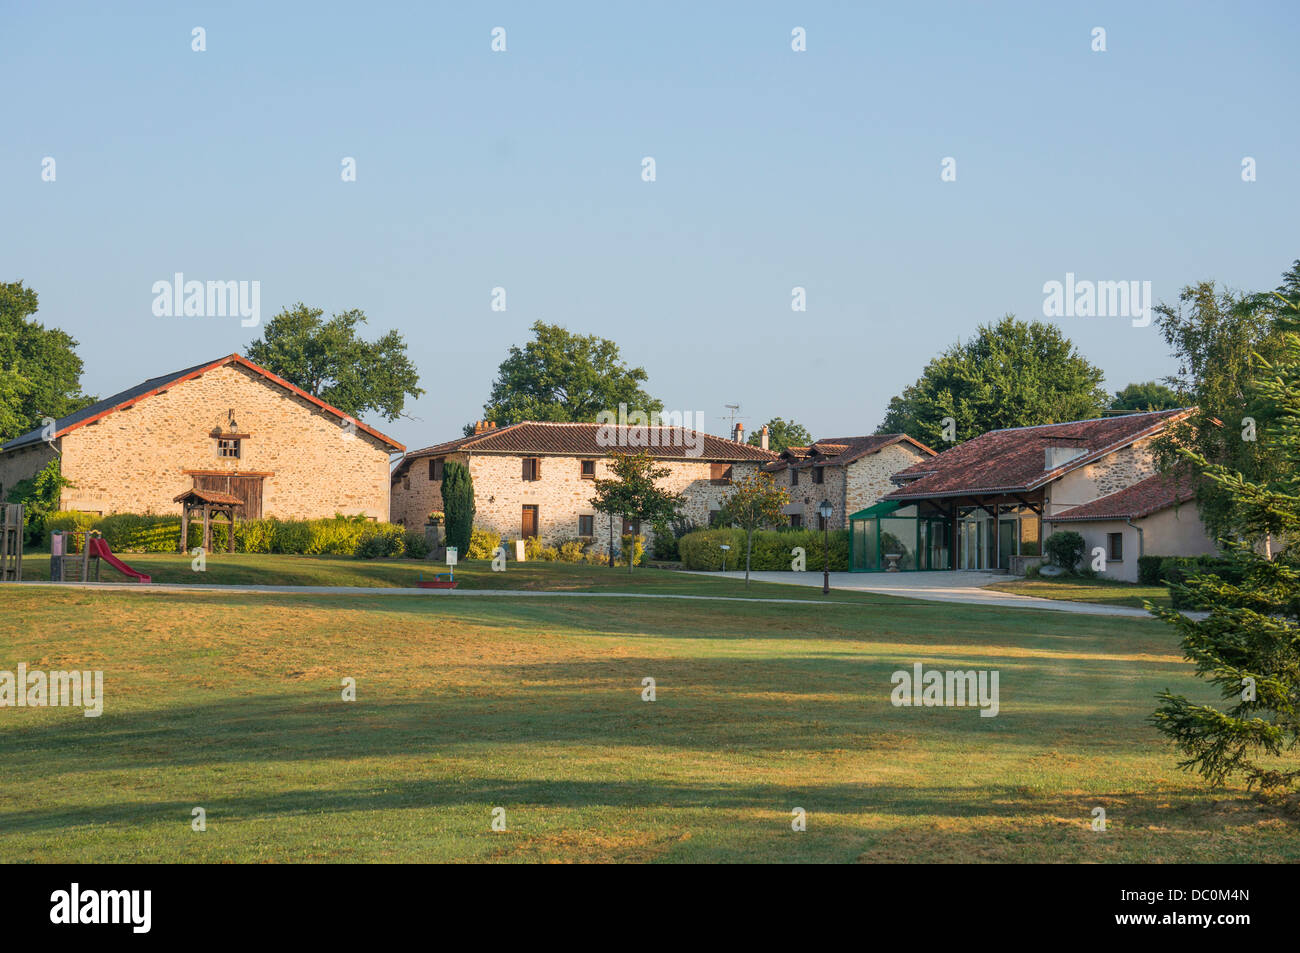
210	504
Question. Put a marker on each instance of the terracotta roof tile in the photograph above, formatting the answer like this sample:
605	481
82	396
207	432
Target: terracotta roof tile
584	440
132	395
1151	495
840	451
1013	460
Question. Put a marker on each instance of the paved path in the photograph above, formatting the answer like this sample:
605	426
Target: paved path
960	587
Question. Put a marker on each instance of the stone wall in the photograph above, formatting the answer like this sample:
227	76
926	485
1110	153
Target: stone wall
1112	473
135	460
23	464
849	489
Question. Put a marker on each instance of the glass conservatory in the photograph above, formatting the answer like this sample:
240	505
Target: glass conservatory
892	536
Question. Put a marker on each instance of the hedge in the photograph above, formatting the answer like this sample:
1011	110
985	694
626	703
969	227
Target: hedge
700	549
136	533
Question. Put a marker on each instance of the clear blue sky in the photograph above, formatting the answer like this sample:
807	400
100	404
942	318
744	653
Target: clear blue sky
522	169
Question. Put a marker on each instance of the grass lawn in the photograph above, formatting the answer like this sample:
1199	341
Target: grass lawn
1102	591
280	570
232	703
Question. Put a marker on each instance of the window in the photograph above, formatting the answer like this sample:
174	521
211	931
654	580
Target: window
796	520
589	469
435	469
228	447
1115	547
818	476
720	473
586	526
794	477
532	468
715	517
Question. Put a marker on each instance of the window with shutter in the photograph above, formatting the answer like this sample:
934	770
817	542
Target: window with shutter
720	473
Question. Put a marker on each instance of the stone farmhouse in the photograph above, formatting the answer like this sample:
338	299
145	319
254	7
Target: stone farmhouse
850	472
536	479
987	503
227	427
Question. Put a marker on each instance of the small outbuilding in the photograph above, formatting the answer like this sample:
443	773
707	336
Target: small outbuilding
1156	517
208	504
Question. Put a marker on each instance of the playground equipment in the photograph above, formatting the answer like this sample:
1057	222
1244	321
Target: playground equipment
11	542
75	557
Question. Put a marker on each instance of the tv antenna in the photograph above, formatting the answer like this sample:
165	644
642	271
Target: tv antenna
731	418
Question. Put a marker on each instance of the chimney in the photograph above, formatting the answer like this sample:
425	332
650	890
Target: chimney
762	437
1061	452
738	434
480	426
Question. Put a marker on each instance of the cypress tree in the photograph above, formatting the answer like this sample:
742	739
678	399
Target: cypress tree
458	505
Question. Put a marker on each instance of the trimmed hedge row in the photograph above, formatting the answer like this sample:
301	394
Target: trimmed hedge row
701	549
340	536
1155	570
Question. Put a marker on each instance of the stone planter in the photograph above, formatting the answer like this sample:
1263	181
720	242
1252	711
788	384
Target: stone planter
433	536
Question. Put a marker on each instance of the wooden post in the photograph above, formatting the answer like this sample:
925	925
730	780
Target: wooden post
230	514
207	528
185	528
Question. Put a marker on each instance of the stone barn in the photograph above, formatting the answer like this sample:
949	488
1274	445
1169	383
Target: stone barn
226	426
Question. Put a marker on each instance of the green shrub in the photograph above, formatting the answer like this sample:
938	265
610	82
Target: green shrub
668	537
151	533
40	497
482	545
1064	548
1149	569
572	550
1175	570
634	545
417	547
700	549
379	540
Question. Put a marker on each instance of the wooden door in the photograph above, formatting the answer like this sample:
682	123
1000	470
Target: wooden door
529	521
247	488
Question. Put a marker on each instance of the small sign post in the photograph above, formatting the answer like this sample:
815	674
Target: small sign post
451	561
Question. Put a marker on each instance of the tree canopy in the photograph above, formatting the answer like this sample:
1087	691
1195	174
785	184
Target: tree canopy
329	360
1011	374
1146	396
1219	336
782	434
1247	646
40	372
632	492
563	377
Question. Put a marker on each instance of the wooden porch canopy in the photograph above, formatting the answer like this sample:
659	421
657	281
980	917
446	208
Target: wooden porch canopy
211	504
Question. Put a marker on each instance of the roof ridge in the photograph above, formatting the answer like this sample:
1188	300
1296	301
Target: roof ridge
1091	420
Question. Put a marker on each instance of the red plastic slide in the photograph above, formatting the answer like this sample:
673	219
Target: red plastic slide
100	549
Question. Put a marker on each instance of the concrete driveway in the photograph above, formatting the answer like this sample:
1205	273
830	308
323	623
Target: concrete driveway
960	586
